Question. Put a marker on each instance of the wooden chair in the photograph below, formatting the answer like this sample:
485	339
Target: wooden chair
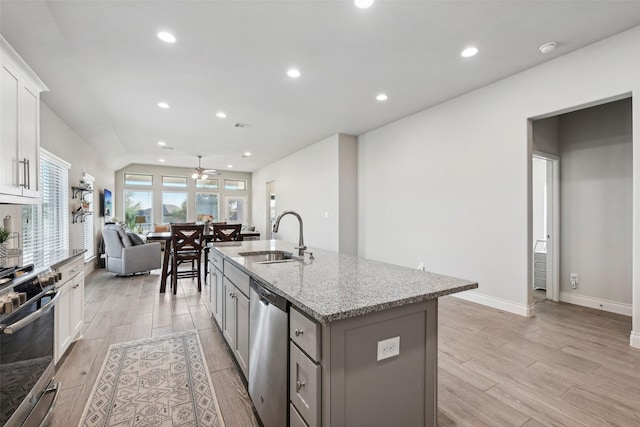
227	232
186	247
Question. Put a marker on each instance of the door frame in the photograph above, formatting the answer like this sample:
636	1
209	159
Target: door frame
553	223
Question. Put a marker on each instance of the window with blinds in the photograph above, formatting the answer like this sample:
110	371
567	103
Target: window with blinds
89	238
45	227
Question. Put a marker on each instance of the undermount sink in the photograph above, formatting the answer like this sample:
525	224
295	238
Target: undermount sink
268	257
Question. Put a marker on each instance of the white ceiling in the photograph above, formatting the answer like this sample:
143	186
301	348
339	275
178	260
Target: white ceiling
107	70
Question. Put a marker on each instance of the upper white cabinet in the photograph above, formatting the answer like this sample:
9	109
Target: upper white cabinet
20	91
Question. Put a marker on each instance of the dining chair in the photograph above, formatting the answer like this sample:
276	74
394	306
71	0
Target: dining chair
186	247
227	232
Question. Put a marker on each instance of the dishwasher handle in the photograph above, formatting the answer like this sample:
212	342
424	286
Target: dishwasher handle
269	297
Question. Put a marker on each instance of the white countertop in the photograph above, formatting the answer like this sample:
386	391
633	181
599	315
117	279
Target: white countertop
334	286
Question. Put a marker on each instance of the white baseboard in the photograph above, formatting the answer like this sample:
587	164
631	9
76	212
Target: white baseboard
597	303
497	303
634	339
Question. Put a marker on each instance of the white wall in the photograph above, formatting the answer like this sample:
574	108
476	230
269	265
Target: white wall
596	201
318	182
461	187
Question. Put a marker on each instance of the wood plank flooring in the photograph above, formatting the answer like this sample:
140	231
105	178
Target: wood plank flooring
568	366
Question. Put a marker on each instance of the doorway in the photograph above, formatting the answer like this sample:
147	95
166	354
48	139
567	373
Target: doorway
545	226
271	209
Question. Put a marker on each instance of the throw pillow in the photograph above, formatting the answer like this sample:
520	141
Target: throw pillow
135	239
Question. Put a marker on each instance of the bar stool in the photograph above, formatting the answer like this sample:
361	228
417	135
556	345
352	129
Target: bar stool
186	247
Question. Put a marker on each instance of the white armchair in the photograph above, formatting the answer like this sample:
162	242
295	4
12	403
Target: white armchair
123	257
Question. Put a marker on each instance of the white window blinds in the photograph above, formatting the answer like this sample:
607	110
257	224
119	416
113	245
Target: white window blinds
88	222
45	227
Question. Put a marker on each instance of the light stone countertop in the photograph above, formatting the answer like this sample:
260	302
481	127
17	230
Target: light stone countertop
334	286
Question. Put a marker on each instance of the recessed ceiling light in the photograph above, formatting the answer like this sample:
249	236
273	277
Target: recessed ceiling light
166	37
469	52
163	105
382	97
246	154
229	166
293	73
161	160
221	114
162	143
363	4
548	47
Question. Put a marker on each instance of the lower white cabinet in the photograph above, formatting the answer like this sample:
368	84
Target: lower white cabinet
216	296
69	314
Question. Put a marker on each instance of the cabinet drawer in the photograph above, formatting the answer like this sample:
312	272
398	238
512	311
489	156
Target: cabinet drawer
306	333
296	419
71	269
237	277
216	259
304	386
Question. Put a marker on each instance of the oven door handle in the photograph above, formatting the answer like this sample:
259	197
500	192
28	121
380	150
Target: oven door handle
15	327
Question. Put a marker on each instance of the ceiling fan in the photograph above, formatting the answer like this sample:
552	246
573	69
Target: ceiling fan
202	173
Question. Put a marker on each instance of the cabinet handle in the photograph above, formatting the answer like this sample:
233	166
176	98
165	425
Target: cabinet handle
298	332
28	179
25	172
299	385
76	269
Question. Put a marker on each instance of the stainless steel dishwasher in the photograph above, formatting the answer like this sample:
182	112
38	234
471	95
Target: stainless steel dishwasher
268	355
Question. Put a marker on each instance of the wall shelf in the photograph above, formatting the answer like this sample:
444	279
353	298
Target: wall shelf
80	190
79	215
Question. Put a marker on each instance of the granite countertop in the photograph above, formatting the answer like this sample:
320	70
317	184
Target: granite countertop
334	286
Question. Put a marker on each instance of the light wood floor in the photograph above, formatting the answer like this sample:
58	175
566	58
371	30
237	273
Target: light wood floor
568	366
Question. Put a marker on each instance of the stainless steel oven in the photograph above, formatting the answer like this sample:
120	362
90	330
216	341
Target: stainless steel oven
27	388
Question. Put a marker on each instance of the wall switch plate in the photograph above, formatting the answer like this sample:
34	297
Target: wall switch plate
388	348
573	280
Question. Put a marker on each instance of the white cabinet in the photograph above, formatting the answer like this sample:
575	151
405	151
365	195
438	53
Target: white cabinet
216	293
19	128
69	312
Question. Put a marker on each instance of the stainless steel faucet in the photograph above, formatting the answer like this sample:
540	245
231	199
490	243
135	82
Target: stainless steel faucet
301	247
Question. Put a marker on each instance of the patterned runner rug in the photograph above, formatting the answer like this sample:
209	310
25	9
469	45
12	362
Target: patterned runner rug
162	381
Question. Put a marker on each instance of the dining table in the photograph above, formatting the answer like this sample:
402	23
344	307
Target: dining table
165	238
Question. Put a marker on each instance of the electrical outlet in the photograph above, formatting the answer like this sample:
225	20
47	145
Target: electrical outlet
573	280
388	348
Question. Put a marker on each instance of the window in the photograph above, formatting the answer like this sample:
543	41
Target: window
235	184
137	203
209	183
174	181
45	227
138	179
235	209
89	237
174	206
207	204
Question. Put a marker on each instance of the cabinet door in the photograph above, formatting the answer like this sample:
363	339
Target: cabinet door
28	146
62	320
9	89
242	328
206	290
77	306
217	296
229	313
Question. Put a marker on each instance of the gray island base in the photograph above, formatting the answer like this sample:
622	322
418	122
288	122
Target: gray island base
363	335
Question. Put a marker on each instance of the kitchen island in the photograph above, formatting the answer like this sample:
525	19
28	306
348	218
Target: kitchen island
363	334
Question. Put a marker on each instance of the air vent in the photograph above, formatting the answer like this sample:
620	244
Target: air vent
242	125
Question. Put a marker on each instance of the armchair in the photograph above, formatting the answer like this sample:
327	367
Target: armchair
123	257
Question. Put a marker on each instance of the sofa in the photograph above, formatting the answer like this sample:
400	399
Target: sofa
127	254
